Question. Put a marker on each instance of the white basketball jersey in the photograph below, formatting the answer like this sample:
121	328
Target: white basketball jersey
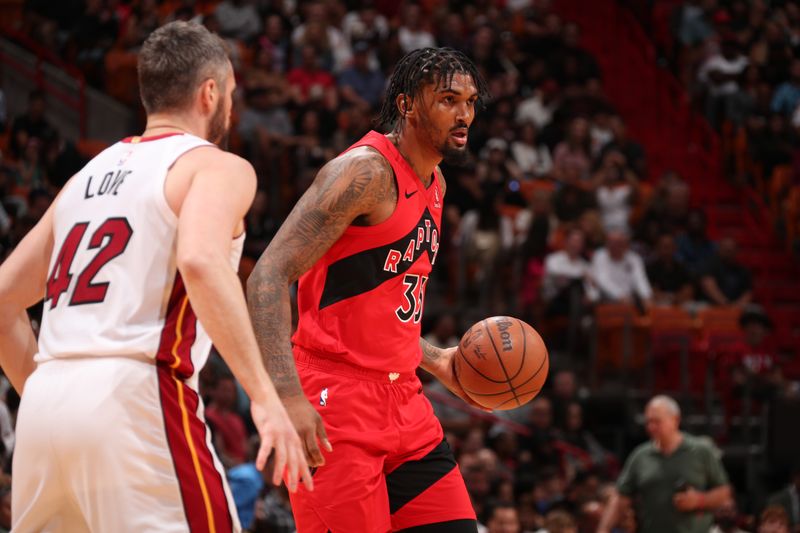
113	287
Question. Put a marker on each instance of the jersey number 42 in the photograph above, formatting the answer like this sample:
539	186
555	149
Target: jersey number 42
111	237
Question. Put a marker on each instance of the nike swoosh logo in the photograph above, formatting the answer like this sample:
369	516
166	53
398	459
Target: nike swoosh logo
410	194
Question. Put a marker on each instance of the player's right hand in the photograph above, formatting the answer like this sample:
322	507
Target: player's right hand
310	428
277	433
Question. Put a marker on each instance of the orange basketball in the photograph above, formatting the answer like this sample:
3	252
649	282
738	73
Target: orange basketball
501	362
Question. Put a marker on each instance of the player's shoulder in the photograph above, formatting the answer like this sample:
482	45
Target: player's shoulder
211	159
360	164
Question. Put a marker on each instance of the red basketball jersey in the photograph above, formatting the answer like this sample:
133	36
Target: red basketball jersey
362	301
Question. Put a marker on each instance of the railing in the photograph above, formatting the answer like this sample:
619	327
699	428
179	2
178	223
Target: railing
37	73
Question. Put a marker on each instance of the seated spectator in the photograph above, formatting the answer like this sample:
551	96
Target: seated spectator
671	282
589	514
264	121
274	512
789	497
726	519
566	276
309	82
773	520
695	249
501	518
532	158
667	212
725	281
548	491
634	152
540	106
616	190
228	424
365	24
559	522
575	434
325	37
787	95
572	157
31	124
753	364
619	273
412	34
261	227
359	84
238	19
543	434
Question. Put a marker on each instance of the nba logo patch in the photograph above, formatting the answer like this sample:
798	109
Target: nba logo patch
323	397
436	203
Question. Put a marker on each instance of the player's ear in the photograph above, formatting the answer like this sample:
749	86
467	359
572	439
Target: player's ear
209	94
404	105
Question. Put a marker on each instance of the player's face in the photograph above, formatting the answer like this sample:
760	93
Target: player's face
446	114
220	122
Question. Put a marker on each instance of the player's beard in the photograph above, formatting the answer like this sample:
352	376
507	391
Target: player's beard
453	155
217	129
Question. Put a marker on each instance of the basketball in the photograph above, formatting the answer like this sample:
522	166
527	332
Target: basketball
501	363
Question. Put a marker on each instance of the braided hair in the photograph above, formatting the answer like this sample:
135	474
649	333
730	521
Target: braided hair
422	67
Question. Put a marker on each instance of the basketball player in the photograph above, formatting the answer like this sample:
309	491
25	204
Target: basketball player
362	241
136	262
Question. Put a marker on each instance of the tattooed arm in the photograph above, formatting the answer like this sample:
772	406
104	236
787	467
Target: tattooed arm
358	185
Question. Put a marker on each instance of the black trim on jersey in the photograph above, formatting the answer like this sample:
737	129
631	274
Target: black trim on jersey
412	478
364	271
451	526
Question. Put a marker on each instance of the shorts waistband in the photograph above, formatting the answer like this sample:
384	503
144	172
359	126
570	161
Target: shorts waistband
343	368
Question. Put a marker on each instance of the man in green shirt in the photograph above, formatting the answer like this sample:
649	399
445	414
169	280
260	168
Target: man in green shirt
674	481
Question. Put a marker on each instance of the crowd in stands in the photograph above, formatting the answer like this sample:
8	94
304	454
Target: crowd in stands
555	213
741	61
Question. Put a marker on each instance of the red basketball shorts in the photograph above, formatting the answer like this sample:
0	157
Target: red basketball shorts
390	468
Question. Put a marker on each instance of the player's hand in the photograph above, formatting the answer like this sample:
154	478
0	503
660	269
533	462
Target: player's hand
309	427
688	500
446	373
277	433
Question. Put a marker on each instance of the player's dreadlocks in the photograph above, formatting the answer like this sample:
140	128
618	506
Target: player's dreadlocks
424	66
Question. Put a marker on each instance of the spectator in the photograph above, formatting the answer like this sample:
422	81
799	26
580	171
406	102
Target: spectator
309	83
31	124
589	515
365	24
671	282
221	414
543	435
616	190
725	281
317	31
567	276
720	75
361	85
789	498
501	518
261	227
773	520
572	157
695	249
238	19
532	158
274	513
674	480
726	519
540	106
619	272
634	152
575	434
787	95
559	522
412	34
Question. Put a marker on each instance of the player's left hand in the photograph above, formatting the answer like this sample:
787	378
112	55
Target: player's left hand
688	500
446	373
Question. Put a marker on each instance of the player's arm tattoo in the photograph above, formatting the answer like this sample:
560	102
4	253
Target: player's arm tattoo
431	355
349	186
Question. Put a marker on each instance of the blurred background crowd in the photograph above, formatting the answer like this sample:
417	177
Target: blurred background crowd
644	275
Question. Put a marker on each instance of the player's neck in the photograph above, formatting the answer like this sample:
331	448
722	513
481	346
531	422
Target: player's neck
163	123
421	157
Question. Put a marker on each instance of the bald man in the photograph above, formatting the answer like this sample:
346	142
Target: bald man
674	481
